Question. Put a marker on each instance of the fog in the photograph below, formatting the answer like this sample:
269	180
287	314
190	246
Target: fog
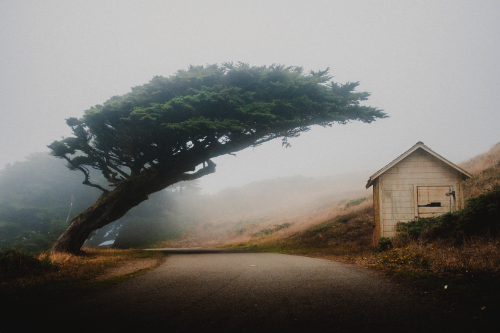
237	214
431	65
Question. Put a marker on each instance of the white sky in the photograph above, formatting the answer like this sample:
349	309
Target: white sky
433	66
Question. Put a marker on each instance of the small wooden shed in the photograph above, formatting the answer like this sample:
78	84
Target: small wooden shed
419	183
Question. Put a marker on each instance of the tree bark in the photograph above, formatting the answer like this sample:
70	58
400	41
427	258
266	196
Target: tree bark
107	209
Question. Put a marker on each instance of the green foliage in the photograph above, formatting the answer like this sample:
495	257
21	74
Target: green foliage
15	264
358	201
268	231
173	124
481	216
322	227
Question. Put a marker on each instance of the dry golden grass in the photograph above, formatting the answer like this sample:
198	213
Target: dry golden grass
89	265
483	161
485	169
297	233
475	256
345	234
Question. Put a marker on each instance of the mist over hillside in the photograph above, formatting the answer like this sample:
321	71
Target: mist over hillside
293	195
236	213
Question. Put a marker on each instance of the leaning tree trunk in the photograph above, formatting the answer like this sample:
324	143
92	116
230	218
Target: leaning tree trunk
113	205
107	209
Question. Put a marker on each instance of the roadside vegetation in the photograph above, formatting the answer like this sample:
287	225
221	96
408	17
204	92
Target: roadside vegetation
44	275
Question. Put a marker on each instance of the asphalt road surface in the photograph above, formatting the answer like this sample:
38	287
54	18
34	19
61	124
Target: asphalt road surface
214	291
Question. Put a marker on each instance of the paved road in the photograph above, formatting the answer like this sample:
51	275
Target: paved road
213	291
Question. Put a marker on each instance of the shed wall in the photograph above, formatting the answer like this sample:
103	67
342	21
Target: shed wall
398	188
376	208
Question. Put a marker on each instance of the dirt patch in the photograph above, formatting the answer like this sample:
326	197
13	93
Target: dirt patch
128	266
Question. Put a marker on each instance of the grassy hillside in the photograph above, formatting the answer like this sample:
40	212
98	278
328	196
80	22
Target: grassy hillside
347	232
485	169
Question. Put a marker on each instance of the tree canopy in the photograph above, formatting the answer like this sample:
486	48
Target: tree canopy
175	123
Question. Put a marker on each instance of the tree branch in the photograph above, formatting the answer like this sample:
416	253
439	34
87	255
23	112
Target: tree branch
86	173
210	168
117	169
88	183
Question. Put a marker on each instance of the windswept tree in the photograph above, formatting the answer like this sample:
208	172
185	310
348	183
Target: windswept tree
159	133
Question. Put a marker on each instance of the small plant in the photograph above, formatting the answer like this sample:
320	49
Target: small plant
384	244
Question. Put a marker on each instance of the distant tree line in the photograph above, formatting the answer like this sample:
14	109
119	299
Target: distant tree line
38	197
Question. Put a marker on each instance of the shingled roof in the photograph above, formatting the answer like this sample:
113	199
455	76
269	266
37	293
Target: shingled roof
418	145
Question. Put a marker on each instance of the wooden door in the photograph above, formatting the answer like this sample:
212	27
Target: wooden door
433	200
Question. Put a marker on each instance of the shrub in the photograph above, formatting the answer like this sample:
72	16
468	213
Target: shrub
384	244
480	217
15	264
322	227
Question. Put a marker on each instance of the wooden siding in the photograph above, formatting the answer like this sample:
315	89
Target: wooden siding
376	208
398	190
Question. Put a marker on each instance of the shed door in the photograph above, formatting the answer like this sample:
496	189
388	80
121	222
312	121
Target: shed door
433	201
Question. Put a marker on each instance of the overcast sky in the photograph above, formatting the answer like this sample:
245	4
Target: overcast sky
433	66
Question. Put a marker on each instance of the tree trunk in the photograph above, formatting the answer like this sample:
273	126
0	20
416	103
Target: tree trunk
107	209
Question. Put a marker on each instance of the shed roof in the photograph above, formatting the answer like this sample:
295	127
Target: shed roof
418	145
